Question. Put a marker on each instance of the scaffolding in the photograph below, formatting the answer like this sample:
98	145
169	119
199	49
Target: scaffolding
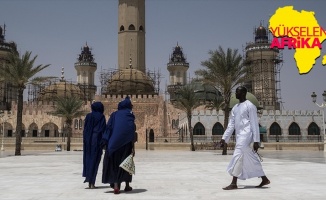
264	68
50	89
118	82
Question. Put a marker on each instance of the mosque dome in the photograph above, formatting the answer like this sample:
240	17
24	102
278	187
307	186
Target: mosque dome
205	92
60	89
130	81
249	97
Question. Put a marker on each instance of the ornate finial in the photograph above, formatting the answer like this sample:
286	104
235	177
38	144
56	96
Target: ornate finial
62	73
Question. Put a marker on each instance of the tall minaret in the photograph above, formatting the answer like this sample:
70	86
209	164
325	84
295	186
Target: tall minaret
131	35
177	67
86	67
264	64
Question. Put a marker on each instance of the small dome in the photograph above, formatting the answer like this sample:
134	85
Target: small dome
130	81
61	89
177	55
261	31
249	96
261	35
86	55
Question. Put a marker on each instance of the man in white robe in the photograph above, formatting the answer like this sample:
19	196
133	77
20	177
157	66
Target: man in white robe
245	162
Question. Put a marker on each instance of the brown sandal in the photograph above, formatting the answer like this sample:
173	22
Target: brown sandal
263	183
231	187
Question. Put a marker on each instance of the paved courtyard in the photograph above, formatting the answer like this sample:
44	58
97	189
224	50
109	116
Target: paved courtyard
163	174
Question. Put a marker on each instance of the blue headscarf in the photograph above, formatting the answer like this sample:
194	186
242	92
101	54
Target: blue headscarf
121	126
92	119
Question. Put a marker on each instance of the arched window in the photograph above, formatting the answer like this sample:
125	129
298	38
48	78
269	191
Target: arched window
313	129
173	123
294	129
199	129
80	123
131	27
122	28
217	129
141	28
275	129
76	123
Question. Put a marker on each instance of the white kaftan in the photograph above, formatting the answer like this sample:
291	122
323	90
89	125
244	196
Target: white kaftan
245	162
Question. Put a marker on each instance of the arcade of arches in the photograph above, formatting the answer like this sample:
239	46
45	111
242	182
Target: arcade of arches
274	129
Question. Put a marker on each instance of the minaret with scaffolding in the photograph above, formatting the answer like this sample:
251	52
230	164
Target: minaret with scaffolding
8	92
264	64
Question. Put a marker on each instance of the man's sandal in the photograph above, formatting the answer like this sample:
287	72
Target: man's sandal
231	187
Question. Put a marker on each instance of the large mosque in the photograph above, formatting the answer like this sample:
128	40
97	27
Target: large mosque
155	114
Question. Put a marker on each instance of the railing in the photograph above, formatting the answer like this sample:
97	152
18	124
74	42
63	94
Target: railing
295	138
270	138
12	140
197	138
178	139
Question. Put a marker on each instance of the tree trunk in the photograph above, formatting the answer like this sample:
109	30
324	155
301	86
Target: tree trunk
69	137
226	121
191	133
19	122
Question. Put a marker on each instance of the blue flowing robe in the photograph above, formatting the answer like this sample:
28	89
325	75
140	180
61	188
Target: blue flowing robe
120	135
94	128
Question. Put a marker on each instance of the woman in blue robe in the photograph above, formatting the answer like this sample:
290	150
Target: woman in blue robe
94	128
119	141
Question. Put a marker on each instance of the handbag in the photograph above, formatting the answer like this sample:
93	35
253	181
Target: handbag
128	164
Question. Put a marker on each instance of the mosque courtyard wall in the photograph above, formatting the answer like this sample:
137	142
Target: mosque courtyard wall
153	114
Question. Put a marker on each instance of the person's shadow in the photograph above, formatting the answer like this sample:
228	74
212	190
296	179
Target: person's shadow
133	191
251	187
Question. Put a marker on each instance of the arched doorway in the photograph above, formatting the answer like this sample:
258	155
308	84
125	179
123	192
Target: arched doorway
275	130
49	130
217	129
294	130
33	130
199	129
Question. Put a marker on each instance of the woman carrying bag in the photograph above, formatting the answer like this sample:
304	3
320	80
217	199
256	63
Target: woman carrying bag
118	141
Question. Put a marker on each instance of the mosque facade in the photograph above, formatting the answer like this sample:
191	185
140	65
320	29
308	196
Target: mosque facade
155	114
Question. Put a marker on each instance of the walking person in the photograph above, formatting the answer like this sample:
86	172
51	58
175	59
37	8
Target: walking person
94	128
245	162
119	140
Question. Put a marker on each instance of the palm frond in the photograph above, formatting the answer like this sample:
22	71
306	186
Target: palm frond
68	108
186	99
41	79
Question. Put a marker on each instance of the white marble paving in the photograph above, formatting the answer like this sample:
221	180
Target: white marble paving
163	175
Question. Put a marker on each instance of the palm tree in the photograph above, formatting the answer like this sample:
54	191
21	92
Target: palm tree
20	72
187	101
225	70
217	103
68	108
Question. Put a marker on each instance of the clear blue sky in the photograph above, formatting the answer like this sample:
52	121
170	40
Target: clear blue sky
55	30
